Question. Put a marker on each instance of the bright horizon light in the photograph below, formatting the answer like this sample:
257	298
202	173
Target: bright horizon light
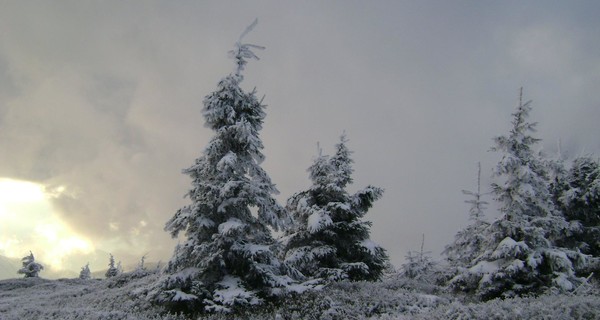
17	191
30	223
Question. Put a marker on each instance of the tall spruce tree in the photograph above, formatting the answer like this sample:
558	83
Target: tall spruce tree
226	259
329	240
519	255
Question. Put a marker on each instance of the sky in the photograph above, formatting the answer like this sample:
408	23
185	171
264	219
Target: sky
100	109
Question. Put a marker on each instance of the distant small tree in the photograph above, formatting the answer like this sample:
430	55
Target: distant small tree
141	269
30	268
85	273
141	265
419	265
112	269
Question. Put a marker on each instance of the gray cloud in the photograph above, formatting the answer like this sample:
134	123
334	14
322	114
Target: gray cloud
105	100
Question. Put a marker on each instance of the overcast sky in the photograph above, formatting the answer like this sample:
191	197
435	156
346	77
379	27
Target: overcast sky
100	104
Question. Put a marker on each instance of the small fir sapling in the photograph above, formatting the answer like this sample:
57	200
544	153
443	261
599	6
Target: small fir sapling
85	273
30	268
419	265
468	243
112	269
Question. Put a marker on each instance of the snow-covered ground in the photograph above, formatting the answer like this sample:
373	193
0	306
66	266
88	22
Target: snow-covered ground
123	297
117	298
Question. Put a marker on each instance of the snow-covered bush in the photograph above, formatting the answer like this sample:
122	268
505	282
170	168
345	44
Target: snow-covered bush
524	308
30	268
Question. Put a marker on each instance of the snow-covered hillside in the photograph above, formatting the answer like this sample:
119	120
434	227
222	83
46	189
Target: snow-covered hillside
8	267
123	297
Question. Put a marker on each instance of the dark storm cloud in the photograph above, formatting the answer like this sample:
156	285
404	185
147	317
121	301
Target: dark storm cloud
104	99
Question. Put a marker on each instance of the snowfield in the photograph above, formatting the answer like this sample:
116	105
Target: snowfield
124	297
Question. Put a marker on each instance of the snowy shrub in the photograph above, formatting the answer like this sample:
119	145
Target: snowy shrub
526	308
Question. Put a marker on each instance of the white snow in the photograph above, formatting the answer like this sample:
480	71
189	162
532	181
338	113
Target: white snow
485	267
205	222
182	296
370	245
230	225
563	282
509	248
124	297
228	161
232	292
318	221
254	249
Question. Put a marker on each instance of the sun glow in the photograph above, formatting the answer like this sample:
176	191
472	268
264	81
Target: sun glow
30	222
15	191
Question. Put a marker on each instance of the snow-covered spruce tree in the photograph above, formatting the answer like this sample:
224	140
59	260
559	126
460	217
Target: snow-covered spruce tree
468	242
580	201
112	269
226	260
420	266
30	268
85	272
519	255
329	240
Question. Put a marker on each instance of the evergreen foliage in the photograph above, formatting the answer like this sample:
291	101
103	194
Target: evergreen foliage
420	266
30	268
85	272
520	255
580	201
112	269
226	259
329	240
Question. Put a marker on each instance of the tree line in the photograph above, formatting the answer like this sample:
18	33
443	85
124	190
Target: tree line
546	235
